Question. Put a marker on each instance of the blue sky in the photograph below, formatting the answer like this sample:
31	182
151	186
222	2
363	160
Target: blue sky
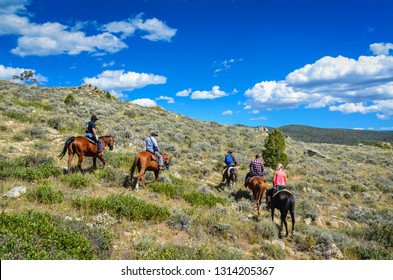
270	62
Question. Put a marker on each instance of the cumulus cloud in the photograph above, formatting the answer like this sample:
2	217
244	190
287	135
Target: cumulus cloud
381	48
363	85
145	102
118	80
7	73
209	94
156	30
53	38
13	6
227	113
184	93
167	98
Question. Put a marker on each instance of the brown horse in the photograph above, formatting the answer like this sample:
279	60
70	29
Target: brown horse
82	146
258	187
145	162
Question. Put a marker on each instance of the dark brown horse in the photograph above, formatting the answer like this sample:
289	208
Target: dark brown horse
258	187
81	146
230	175
144	161
284	201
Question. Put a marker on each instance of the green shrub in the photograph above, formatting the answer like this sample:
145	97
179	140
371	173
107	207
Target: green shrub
148	249
77	180
70	100
45	194
203	199
119	160
39	236
125	206
29	168
112	177
273	251
172	191
366	251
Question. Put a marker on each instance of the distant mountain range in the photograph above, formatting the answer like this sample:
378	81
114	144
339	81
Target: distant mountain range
336	135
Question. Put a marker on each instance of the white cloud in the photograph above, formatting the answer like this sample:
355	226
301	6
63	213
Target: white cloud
381	48
13	6
167	98
145	102
262	118
53	38
363	85
224	65
109	64
212	94
6	73
156	29
118	80
184	93
227	113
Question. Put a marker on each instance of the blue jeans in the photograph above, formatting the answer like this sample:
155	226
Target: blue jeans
160	159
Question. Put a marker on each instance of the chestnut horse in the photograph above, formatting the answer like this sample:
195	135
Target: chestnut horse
284	201
82	146
145	162
258	187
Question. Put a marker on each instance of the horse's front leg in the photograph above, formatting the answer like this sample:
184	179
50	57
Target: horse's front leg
156	172
102	159
94	163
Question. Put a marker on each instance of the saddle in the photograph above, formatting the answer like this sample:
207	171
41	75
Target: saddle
153	156
90	140
280	189
228	170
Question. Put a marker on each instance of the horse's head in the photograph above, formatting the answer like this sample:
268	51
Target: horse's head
167	160
110	141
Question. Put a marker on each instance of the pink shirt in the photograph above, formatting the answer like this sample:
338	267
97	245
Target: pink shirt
280	178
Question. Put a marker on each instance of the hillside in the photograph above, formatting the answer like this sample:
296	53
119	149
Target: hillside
336	136
344	200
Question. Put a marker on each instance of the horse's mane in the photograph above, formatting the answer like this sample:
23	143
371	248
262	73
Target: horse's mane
105	136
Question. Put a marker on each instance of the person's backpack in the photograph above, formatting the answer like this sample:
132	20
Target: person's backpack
228	159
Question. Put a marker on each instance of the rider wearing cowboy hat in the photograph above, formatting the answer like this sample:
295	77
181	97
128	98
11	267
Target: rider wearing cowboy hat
91	132
152	147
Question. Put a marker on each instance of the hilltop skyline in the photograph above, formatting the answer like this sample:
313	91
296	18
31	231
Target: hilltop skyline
325	64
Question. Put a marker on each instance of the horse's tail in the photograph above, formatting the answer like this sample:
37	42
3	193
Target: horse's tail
67	143
261	185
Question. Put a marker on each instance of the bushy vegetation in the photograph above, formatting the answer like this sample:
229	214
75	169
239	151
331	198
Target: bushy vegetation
45	194
125	206
39	236
29	168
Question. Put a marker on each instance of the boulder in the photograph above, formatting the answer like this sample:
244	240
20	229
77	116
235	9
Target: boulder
15	192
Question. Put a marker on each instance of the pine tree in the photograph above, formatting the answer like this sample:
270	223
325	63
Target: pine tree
274	152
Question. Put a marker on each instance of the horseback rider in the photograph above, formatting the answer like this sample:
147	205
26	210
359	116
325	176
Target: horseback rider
256	169
91	133
230	161
152	147
279	182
